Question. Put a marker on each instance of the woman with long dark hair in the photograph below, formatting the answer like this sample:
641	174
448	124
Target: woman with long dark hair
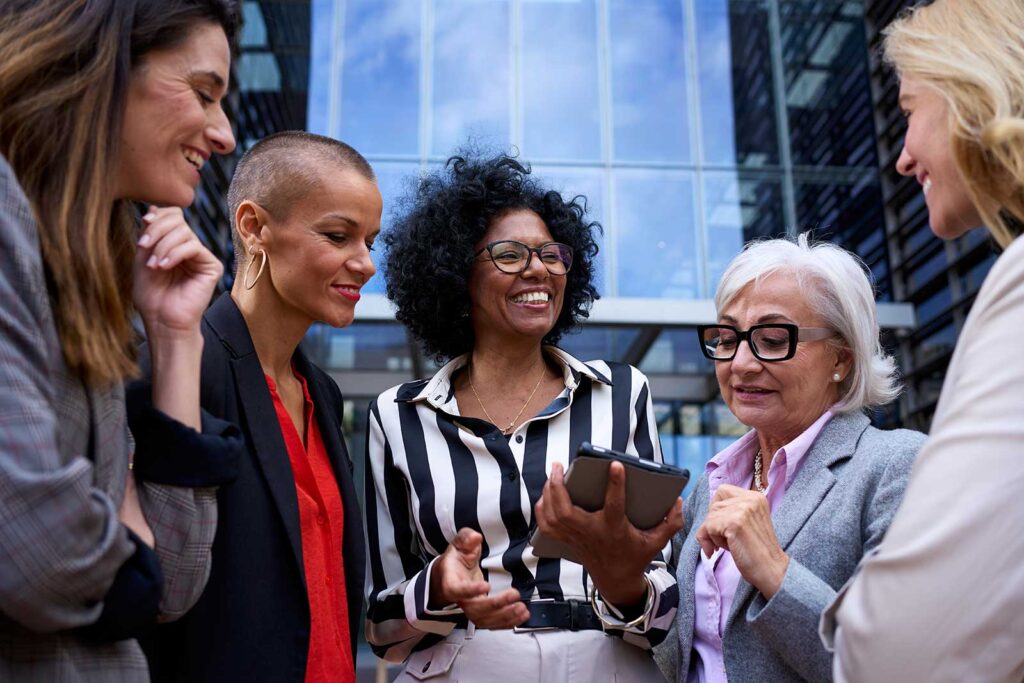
104	103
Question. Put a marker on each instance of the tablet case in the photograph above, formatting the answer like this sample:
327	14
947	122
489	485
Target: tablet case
651	490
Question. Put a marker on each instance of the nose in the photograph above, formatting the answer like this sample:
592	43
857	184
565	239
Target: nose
219	133
745	362
906	165
535	268
363	263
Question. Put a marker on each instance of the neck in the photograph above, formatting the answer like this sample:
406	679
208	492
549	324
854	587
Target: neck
506	364
276	329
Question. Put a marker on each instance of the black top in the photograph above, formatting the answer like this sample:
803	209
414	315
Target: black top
252	622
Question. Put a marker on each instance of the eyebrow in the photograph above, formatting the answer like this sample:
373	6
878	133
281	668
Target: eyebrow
217	79
767	317
337	218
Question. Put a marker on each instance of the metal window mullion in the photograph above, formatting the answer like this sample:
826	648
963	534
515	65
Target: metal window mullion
696	144
426	112
782	117
335	73
611	219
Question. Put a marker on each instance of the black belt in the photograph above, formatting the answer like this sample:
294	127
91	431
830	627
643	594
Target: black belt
568	615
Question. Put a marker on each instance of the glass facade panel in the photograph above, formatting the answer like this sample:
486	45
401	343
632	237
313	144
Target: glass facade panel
736	210
656	242
737	101
472	72
574	181
380	95
650	104
561	108
395	180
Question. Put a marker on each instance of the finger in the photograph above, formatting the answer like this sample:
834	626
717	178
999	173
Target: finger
558	496
188	250
158	225
615	493
728	491
706	545
503	618
459	589
469	544
669	527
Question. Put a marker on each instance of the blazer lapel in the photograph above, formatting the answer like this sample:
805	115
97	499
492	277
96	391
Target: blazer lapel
813	481
260	418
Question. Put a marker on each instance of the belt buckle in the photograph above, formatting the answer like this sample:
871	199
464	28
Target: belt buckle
535	629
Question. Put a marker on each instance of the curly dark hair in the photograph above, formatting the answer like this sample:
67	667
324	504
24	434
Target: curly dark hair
430	247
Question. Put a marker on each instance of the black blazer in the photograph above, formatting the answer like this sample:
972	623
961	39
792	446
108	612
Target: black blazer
252	622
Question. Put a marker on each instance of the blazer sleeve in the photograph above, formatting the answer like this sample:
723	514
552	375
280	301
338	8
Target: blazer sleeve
949	578
788	622
178	469
60	540
398	621
663	591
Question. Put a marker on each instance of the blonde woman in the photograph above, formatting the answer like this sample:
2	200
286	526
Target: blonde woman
943	597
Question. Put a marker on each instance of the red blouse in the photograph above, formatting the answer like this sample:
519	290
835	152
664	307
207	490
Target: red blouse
321	520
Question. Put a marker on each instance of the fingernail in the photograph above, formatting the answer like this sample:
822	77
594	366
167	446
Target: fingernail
165	260
149	217
145	240
152	261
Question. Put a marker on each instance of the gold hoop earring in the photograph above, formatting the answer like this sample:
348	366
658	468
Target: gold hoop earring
248	269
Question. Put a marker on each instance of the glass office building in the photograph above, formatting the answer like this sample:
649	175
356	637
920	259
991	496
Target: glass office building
691	126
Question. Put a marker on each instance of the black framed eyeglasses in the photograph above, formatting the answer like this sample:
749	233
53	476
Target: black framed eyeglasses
514	257
770	342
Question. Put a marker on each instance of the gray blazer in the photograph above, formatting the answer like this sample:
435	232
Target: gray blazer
837	509
61	544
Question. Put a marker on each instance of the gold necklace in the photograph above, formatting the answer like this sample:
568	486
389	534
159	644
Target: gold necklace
512	424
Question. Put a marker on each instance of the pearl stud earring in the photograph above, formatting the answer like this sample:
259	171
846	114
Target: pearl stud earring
836	377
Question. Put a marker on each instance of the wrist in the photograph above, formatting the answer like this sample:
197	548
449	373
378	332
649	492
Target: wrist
772	581
624	594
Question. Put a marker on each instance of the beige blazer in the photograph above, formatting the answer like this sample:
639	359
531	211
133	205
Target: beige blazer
942	598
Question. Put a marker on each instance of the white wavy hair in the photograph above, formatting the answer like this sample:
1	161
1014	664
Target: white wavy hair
838	289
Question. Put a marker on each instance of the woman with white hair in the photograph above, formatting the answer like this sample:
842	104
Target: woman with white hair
943	598
780	519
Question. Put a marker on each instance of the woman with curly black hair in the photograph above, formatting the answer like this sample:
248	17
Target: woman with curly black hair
488	270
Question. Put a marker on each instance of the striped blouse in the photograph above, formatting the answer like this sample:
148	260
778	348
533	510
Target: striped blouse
430	472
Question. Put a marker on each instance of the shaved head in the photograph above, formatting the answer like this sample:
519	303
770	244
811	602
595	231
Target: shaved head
281	169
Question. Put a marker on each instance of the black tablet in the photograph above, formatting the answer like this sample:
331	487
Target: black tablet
651	490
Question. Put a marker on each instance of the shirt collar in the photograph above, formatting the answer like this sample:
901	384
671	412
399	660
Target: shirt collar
734	464
439	392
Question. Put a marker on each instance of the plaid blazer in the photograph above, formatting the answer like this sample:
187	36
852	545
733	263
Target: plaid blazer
61	544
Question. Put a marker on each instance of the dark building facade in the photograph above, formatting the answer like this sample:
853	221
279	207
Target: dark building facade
939	278
270	82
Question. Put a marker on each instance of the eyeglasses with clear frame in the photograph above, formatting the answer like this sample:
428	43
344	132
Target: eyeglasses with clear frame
770	343
512	257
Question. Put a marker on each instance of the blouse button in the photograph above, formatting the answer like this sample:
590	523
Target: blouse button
519	438
513	475
321	520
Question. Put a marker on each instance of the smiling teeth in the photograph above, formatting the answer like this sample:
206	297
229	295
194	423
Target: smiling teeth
193	158
927	185
531	298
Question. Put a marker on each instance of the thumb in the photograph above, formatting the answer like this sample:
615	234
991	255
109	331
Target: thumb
469	545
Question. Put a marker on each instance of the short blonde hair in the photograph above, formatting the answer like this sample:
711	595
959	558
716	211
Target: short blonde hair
838	289
972	53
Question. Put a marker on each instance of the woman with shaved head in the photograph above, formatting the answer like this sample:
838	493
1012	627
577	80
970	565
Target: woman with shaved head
284	595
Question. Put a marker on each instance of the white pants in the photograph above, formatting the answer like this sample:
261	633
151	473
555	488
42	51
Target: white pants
541	656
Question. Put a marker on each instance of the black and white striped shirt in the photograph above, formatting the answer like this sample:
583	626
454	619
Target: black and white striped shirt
430	472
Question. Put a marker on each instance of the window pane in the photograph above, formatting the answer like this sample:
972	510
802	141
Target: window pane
380	82
648	65
395	180
656	243
737	210
737	101
828	93
360	346
588	182
471	78
558	81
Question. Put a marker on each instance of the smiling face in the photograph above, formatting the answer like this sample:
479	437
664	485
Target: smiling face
780	400
927	155
173	120
523	306
319	255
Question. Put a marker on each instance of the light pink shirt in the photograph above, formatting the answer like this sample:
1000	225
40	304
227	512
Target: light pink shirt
716	577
